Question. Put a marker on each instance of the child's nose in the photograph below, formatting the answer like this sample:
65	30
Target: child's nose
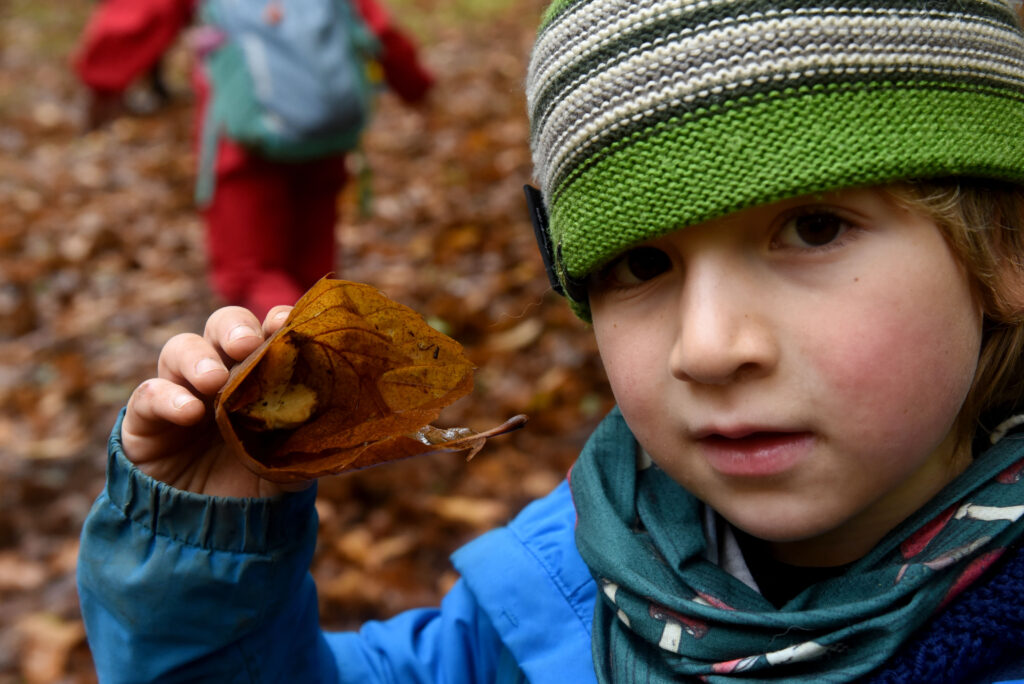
724	332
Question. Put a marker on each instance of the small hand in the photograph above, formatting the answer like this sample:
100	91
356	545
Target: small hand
168	430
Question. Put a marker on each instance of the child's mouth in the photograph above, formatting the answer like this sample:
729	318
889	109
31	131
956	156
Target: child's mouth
756	454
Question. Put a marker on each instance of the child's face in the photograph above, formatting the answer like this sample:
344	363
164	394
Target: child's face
798	366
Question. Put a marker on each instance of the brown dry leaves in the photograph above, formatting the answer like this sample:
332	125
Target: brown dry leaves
102	260
351	380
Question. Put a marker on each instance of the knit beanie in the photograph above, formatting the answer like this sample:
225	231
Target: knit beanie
652	115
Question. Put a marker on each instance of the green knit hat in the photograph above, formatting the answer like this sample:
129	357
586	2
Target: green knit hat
652	115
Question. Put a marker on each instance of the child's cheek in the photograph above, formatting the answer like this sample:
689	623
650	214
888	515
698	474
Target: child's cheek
898	363
630	373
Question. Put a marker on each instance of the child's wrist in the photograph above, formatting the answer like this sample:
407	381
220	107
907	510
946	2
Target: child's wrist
246	525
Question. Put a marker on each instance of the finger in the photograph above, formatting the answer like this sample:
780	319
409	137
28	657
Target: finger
155	406
157	402
157	410
191	361
276	317
234	331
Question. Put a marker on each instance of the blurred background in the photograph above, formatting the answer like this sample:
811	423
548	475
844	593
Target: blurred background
102	260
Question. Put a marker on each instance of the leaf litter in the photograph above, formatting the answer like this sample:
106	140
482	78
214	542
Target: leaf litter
102	260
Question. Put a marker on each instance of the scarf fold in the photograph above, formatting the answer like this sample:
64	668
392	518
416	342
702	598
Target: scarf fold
667	612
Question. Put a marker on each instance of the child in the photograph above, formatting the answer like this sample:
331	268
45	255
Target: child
270	224
797	231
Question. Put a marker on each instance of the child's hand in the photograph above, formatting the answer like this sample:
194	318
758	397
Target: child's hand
168	429
102	108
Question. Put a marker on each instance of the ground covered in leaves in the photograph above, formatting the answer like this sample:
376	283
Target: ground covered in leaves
102	260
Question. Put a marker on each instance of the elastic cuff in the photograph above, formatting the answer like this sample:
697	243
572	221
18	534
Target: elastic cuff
241	525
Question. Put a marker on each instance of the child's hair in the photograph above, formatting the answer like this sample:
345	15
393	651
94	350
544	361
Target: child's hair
652	115
983	221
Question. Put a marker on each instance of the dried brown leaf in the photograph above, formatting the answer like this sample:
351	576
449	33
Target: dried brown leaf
351	380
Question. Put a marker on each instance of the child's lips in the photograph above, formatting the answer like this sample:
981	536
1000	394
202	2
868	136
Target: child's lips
757	453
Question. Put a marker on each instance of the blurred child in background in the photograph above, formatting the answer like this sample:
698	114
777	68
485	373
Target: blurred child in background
270	224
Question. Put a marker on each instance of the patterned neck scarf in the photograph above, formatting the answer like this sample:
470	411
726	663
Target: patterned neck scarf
667	613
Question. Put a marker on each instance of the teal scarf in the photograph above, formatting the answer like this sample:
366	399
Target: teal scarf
666	613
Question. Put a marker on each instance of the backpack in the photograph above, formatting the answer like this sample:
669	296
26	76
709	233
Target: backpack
288	79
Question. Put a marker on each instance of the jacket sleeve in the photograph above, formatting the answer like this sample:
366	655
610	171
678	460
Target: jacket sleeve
125	38
453	644
176	587
399	60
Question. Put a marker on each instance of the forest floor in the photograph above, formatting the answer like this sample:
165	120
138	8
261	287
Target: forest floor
102	260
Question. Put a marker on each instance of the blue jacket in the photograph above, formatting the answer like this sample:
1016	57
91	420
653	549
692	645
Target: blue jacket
177	587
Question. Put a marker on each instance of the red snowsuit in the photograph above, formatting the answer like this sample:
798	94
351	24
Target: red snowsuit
270	225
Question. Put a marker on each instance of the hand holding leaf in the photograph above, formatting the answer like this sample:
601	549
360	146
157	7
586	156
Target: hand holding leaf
351	380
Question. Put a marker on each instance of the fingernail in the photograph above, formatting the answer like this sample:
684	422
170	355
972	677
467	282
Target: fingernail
281	315
241	331
208	365
180	400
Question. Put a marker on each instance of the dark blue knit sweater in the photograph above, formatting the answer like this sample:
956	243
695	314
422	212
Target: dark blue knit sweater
978	638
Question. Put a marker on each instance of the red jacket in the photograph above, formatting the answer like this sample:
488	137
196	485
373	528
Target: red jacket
124	39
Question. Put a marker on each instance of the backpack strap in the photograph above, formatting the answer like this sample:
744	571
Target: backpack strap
539	219
204	40
206	178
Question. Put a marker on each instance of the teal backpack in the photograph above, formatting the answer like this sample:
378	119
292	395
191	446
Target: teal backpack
288	79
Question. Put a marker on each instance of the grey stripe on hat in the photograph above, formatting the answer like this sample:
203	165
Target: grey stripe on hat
628	65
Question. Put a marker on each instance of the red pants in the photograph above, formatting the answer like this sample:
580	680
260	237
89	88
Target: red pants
271	229
270	226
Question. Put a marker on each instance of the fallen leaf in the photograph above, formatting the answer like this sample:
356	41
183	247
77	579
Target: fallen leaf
519	337
351	380
361	546
19	574
46	642
475	511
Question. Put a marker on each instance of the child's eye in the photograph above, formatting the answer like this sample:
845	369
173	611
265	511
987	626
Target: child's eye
635	267
812	229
